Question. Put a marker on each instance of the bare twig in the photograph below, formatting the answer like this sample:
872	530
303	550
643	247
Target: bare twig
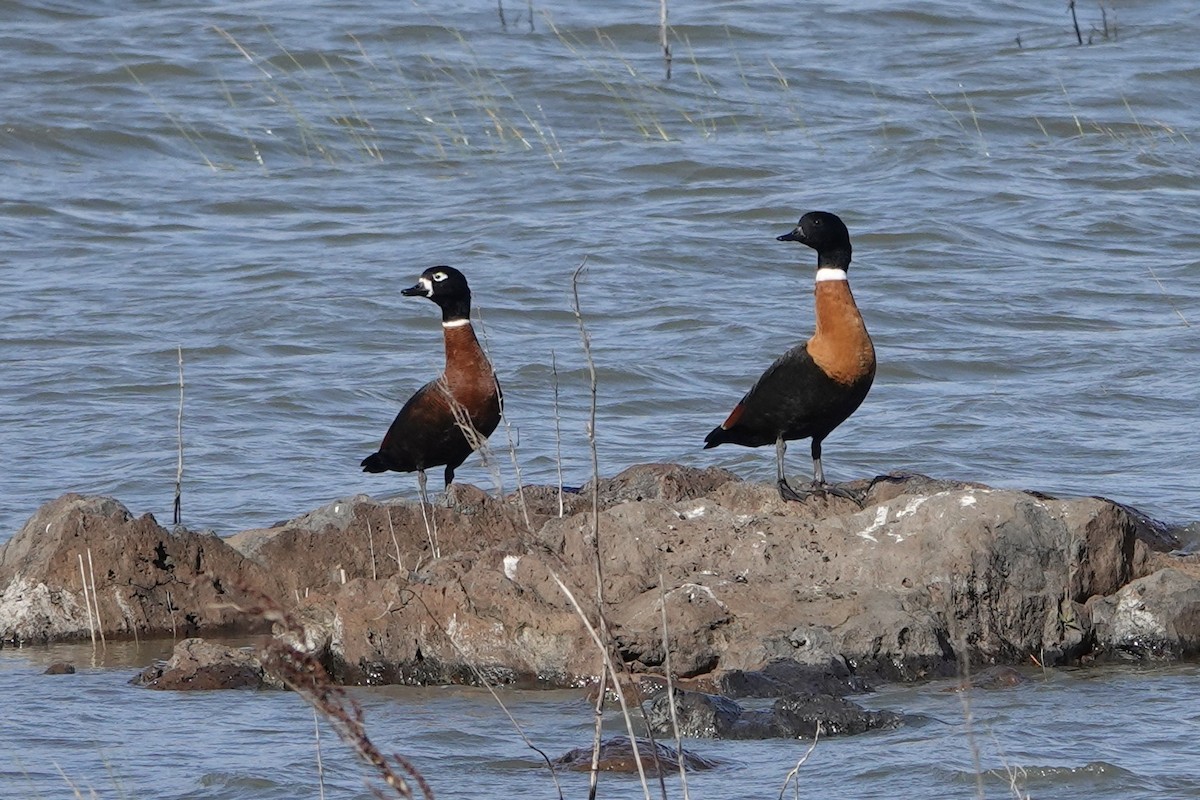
612	674
95	598
662	35
1075	20
396	544
430	529
483	680
671	688
179	448
320	766
371	543
795	771
557	435
1162	288
508	433
303	673
87	602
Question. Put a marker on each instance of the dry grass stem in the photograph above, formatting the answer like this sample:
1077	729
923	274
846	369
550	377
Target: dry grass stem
320	766
430	529
794	774
305	675
371	544
666	640
511	440
1163	289
483	681
179	447
87	602
558	436
95	598
662	36
612	674
395	542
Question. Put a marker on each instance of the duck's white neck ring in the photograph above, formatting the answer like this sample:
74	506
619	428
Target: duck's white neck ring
830	274
455	323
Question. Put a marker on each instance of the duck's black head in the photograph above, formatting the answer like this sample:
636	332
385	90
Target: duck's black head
447	287
826	234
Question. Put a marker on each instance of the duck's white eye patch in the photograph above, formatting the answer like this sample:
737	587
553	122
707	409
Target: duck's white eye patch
440	276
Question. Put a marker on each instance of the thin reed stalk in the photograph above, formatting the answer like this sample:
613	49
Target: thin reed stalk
597	736
395	542
794	774
305	675
179	445
666	640
586	339
371	544
1075	21
320	766
612	674
87	600
430	530
487	684
558	435
96	598
508	433
662	36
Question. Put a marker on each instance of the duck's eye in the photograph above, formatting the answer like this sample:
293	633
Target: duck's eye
440	276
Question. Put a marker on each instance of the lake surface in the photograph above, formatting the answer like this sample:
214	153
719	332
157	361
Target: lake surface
1060	734
252	184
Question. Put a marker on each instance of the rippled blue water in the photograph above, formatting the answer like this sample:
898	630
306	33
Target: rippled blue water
1058	735
254	183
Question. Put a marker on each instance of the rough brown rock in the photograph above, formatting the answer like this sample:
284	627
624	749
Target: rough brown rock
928	574
197	665
147	580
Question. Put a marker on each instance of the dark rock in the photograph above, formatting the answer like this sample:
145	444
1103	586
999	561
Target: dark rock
998	677
60	668
706	716
1157	616
787	677
617	755
798	716
698	715
197	665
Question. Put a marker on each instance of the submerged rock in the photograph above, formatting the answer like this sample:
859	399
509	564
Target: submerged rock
708	716
197	665
617	755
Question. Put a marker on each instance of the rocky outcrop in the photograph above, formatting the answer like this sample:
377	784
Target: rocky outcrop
197	665
140	578
762	597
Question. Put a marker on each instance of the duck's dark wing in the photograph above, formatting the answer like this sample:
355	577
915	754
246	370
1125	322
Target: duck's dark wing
793	399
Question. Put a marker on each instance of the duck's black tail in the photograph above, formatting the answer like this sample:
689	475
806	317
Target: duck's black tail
374	463
717	436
